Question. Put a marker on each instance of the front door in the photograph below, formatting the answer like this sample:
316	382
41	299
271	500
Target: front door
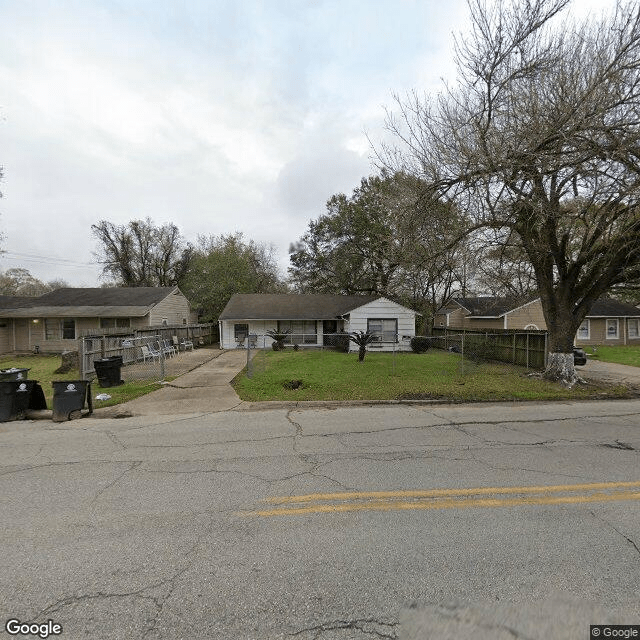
22	334
329	329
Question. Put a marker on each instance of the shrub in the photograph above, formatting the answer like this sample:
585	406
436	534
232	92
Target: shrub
420	344
278	338
362	339
296	347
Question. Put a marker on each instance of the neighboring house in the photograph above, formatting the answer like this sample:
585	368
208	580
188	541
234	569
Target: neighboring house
608	321
53	321
313	319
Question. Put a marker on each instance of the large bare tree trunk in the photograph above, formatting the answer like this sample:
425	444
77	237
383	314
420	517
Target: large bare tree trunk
560	366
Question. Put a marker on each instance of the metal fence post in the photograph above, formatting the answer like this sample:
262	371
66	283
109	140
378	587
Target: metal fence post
162	368
249	371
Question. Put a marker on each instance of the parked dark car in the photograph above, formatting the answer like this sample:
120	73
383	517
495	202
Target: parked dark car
579	357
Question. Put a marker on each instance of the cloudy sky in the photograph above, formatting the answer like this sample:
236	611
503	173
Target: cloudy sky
217	115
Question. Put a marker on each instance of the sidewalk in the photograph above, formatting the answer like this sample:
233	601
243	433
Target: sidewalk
204	389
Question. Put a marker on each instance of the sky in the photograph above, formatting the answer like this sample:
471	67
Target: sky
219	116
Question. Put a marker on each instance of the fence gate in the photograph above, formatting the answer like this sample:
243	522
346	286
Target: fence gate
143	358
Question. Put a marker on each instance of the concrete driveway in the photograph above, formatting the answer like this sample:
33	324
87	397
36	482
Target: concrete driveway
611	373
205	389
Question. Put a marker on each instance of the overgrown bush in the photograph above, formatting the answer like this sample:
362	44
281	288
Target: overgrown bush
420	344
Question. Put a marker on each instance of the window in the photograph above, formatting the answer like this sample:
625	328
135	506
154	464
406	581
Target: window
68	329
51	329
303	331
612	328
532	327
633	327
583	331
115	323
240	332
384	329
56	329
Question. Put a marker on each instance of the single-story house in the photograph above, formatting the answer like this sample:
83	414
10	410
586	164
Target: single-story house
314	319
608	322
52	322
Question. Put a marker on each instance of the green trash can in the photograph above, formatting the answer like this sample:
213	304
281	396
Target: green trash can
69	397
15	396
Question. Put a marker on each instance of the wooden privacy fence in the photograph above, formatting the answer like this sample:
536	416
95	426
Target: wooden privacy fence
516	346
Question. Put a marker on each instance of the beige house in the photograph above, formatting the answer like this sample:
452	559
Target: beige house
314	319
51	323
608	322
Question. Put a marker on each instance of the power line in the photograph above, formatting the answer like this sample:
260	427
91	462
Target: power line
47	259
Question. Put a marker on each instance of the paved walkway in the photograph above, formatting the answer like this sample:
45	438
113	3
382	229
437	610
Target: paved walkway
204	389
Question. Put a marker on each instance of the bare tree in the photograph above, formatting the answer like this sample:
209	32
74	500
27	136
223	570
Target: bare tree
139	254
20	282
540	140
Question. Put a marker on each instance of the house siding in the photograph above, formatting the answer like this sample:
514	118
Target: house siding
383	308
483	323
456	317
528	314
598	333
174	308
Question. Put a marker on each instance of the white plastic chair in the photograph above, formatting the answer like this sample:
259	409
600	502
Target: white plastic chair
149	352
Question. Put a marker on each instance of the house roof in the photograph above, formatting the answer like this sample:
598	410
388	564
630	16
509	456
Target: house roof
488	306
118	302
607	307
495	307
290	306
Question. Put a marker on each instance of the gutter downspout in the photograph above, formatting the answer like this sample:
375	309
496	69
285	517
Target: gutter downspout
220	334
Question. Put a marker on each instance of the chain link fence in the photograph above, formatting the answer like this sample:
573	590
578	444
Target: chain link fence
510	351
147	354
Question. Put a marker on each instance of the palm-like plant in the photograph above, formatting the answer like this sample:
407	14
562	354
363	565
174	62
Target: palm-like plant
278	338
362	339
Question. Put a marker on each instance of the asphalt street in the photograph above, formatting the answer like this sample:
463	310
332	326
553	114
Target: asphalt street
496	520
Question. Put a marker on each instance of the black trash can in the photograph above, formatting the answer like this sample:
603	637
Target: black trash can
108	371
14	374
69	398
14	398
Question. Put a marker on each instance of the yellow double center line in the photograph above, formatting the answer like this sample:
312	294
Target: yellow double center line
448	498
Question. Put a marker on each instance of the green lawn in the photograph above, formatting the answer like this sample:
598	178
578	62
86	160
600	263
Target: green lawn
621	355
329	375
43	367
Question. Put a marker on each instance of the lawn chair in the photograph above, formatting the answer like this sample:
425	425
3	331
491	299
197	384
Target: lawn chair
182	346
149	352
169	348
162	347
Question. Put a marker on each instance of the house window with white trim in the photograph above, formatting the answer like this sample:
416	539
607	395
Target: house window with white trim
583	331
384	329
612	329
302	331
633	327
